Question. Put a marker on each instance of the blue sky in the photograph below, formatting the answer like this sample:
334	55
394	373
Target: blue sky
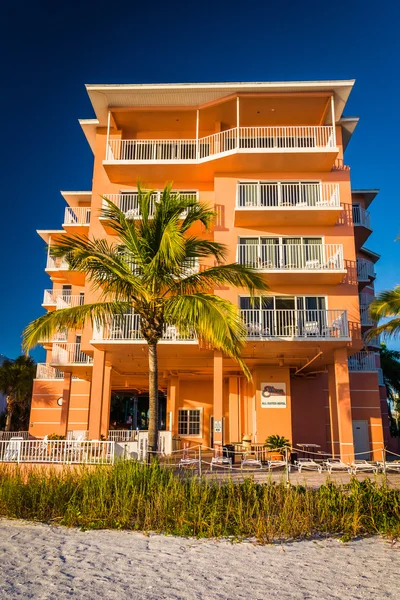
50	50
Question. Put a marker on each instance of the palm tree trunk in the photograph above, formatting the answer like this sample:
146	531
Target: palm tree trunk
10	411
153	399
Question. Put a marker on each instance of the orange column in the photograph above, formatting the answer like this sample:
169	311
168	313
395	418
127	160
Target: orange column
105	409
339	393
233	409
218	398
96	394
65	403
333	416
173	402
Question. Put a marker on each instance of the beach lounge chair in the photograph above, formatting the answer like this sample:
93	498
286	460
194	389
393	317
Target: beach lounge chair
336	464
221	461
189	461
276	464
309	464
391	465
363	466
251	460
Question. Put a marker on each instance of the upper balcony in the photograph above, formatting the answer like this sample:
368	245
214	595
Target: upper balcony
364	361
290	263
362	224
59	270
56	299
286	203
365	271
77	219
301	148
296	324
128	203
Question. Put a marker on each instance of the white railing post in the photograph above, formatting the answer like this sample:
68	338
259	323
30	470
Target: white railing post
197	134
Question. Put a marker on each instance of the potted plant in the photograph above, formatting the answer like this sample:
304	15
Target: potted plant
276	445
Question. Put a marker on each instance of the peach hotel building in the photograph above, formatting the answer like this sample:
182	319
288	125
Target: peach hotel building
269	157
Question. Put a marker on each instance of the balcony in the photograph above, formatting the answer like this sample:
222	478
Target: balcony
127	329
365	271
365	317
56	299
77	219
285	203
300	141
45	371
69	354
362	224
59	271
128	204
288	263
295	324
364	361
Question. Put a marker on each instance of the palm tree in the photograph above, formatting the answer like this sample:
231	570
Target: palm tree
149	270
16	381
390	363
386	306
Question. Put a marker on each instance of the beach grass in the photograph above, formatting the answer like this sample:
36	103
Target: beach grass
149	498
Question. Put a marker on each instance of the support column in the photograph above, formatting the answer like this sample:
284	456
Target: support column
96	394
234	416
218	398
173	401
106	402
197	134
340	402
66	395
333	417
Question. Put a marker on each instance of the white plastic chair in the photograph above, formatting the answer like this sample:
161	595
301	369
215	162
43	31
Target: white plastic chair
363	466
249	461
13	449
309	464
336	464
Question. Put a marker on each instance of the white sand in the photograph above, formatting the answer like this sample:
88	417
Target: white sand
42	562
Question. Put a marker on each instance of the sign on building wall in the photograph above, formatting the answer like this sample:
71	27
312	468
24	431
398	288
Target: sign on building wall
273	395
217	426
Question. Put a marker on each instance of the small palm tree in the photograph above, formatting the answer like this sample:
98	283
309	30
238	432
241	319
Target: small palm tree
16	381
149	270
277	442
386	306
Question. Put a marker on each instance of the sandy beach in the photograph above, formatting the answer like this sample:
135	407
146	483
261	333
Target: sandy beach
45	562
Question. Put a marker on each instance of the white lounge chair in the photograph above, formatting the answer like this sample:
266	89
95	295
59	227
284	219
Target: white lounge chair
309	464
336	464
391	465
363	466
311	328
251	460
221	461
276	464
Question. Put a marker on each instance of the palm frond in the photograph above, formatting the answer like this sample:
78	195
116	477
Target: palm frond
386	304
234	274
391	329
211	318
43	328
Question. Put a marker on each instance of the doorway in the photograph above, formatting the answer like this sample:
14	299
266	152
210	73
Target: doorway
361	439
130	410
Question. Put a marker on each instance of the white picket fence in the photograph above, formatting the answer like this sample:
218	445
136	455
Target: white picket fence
17	450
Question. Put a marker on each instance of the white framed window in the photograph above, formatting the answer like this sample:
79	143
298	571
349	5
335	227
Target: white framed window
190	421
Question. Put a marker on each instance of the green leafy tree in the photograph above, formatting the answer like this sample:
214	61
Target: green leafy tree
386	307
16	381
149	270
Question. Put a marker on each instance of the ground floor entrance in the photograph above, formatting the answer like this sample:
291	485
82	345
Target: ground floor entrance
130	410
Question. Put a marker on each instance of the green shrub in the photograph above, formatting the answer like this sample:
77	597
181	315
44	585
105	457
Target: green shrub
141	497
277	442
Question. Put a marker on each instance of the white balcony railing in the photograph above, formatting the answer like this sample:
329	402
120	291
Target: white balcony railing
56	263
287	194
69	353
69	300
365	270
49	297
250	139
77	215
128	202
45	371
302	323
127	328
364	361
365	316
287	257
361	216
